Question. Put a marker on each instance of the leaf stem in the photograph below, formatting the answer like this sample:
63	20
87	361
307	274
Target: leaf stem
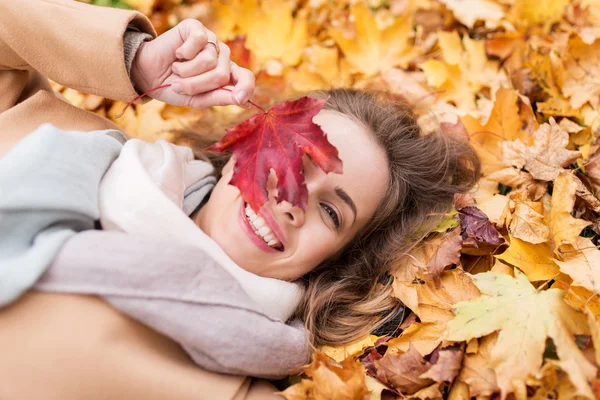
119	115
249	101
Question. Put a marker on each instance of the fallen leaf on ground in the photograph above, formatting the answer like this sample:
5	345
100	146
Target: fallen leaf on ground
330	380
525	317
372	50
535	260
547	157
564	227
404	371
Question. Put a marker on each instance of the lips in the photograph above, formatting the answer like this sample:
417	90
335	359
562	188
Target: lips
258	241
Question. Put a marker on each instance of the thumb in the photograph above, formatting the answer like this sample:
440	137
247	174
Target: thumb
217	97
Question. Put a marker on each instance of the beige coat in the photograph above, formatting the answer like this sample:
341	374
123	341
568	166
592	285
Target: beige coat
72	347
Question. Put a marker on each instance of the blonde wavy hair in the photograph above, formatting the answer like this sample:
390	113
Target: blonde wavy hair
350	295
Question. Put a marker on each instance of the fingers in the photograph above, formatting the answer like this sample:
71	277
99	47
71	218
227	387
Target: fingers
197	83
244	82
203	62
195	37
215	97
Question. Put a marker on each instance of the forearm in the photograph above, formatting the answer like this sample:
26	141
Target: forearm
75	44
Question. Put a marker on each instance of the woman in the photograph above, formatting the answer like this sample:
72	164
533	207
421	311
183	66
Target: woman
341	245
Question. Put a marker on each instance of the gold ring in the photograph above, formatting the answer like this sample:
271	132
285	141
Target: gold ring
216	46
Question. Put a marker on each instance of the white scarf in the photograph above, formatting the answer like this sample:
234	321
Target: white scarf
143	192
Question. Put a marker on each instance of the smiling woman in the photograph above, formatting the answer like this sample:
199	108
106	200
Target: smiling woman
339	206
396	182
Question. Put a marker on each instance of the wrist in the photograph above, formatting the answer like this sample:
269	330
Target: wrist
136	72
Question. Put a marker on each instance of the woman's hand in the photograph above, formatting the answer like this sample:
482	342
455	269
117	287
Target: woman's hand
184	58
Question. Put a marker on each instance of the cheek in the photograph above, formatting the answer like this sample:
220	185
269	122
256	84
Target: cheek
315	247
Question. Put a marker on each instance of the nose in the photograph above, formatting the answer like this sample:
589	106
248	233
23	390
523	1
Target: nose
291	214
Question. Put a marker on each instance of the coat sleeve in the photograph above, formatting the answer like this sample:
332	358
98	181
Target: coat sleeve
75	44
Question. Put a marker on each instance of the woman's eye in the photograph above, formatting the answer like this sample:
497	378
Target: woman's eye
332	214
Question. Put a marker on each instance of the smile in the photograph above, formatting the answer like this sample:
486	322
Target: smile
258	231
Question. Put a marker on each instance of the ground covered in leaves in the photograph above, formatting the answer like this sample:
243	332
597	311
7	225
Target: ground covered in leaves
504	294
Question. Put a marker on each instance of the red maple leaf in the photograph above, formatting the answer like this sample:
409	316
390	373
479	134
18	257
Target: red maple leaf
277	139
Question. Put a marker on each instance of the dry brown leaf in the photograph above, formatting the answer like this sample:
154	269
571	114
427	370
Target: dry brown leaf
581	261
447	365
580	75
548	155
477	369
527	223
446	254
404	371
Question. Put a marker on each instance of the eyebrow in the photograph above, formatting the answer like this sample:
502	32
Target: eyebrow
347	199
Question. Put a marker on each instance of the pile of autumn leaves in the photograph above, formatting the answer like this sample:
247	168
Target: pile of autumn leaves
504	293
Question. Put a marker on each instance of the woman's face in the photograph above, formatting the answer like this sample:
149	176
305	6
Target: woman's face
339	205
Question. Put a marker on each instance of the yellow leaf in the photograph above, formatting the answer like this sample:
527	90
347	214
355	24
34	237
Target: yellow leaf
564	228
535	260
375	388
151	126
373	50
341	353
127	122
451	46
143	6
525	318
531	12
425	337
437	72
504	123
225	16
321	68
272	33
330	380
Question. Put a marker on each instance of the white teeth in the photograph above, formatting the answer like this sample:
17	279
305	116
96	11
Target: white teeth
260	227
258	223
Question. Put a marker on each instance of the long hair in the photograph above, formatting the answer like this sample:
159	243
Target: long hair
350	295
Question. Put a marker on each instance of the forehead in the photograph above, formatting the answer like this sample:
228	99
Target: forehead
365	166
